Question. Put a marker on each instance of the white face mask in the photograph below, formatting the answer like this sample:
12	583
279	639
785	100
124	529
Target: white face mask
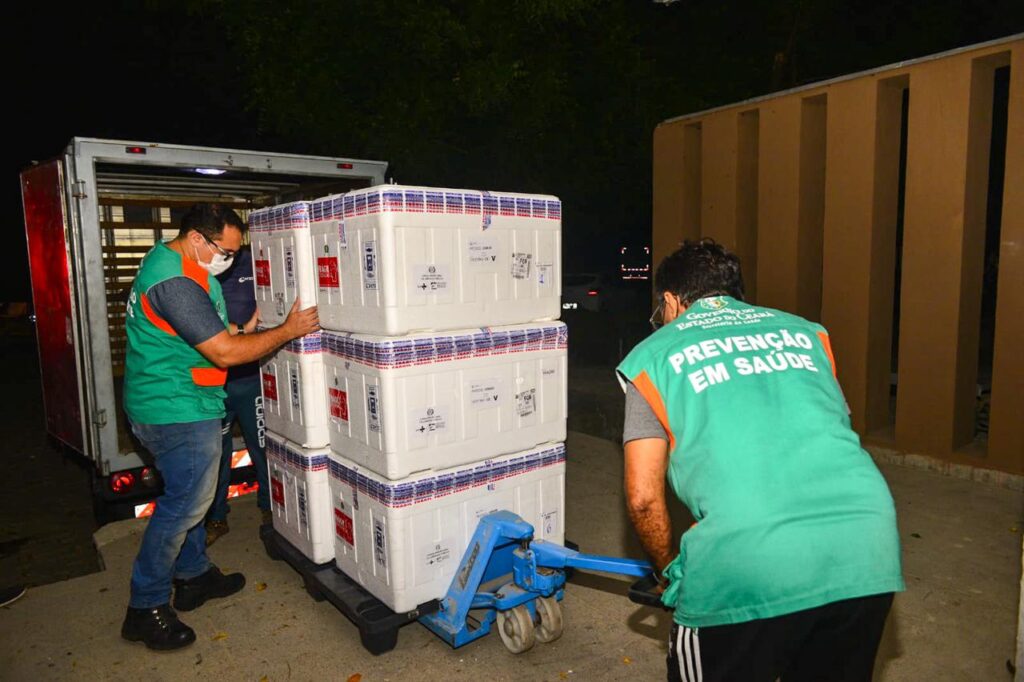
219	264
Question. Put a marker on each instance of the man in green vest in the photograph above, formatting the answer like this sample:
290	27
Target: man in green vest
179	348
790	569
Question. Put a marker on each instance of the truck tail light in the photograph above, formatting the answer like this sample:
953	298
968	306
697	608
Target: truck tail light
148	477
135	150
122	482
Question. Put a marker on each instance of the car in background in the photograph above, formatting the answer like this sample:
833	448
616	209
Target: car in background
582	291
597	292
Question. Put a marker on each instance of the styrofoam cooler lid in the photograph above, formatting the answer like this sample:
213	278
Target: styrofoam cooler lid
310	343
433	347
281	217
429	485
284	450
411	199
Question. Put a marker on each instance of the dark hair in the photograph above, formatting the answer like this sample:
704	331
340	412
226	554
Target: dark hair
210	220
698	269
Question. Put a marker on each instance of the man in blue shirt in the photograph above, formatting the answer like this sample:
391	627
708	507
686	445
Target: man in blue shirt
244	401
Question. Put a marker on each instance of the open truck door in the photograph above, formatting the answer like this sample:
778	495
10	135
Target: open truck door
91	216
44	200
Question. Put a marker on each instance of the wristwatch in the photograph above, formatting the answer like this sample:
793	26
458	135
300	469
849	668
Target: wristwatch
240	329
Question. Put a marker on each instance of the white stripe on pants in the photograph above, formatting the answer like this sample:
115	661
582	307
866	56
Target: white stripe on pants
688	654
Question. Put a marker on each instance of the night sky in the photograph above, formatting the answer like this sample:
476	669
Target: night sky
557	96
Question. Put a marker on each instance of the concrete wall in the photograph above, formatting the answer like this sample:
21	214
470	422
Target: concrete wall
804	186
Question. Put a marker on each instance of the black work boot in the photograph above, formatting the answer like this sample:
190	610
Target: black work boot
158	627
193	593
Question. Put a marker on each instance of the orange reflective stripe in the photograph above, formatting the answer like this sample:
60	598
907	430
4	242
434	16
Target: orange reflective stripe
828	351
159	322
209	376
650	393
191	269
238	457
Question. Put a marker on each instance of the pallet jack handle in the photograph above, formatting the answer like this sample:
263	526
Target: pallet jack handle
550	555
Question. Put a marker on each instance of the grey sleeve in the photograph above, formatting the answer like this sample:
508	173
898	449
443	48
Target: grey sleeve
640	421
187	308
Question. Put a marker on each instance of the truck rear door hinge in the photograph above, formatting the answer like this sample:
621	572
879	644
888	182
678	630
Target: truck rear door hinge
99	418
78	189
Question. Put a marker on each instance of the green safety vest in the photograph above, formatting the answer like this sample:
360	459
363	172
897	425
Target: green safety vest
791	512
166	380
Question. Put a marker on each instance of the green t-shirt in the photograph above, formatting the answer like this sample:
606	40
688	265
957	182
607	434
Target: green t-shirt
791	512
167	381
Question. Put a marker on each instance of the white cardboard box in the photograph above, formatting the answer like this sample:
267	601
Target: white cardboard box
300	497
436	400
394	259
402	540
294	397
282	258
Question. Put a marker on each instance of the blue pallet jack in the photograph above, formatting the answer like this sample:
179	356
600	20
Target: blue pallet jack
505	577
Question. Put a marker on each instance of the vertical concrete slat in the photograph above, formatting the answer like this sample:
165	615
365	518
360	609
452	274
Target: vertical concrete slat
778	212
947	169
850	233
729	184
1006	420
884	221
693	150
747	198
667	216
718	177
813	111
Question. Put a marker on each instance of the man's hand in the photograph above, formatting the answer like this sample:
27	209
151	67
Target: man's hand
301	322
225	350
646	463
253	322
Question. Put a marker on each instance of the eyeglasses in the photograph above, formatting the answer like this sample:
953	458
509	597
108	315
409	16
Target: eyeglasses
657	317
227	253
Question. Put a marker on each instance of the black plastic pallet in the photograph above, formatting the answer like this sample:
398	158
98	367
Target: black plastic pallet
378	625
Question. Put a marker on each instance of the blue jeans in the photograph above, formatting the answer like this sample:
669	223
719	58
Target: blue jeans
245	403
174	544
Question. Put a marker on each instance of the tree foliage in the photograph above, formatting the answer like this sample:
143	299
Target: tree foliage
559	96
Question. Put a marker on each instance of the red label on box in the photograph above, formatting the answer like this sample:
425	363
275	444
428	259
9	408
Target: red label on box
343	526
339	404
277	492
327	272
269	387
262	271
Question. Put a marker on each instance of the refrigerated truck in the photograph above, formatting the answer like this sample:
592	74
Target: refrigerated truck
91	214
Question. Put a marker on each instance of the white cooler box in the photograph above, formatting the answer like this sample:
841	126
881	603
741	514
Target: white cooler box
394	259
403	540
294	397
300	497
282	259
431	401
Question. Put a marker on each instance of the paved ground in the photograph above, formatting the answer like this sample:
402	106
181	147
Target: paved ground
956	621
46	519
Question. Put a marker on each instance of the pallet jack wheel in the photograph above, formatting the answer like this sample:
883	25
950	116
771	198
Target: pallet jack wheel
516	629
549	624
379	643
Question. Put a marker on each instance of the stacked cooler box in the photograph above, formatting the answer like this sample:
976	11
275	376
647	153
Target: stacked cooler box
293	382
403	539
394	259
300	497
442	385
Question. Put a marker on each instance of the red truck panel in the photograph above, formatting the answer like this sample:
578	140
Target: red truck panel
42	193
